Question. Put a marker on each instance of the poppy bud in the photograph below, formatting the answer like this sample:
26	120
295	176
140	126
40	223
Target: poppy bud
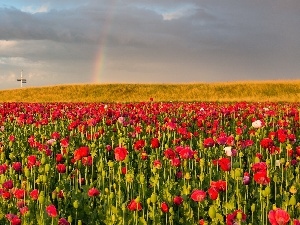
153	198
267	190
70	219
47	168
41	199
212	212
76	204
253	207
292	201
239	215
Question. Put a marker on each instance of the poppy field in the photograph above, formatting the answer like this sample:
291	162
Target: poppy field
150	163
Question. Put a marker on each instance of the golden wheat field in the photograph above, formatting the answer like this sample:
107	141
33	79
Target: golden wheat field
251	91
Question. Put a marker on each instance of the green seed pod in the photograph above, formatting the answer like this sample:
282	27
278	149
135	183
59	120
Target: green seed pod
41	169
293	200
111	195
236	165
41	198
47	168
76	204
148	201
110	164
237	172
253	207
138	199
53	195
113	218
45	179
239	215
268	190
26	172
212	212
126	160
43	160
153	198
187	176
11	156
142	178
201	162
70	219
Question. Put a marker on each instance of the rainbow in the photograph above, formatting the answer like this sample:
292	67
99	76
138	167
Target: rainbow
99	61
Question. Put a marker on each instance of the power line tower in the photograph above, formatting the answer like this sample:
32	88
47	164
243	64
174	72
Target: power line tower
22	80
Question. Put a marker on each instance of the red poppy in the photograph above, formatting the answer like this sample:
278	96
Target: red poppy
13	219
198	195
261	178
19	193
93	192
11	138
213	193
258	167
201	222
175	162
24	210
51	211
61	194
144	155
178	200
134	205
208	142
220	185
59	158
31	161
120	153
266	143
6	195
186	153
225	164
157	164
61	168
296	222
55	135
139	144
3	168
34	194
63	221
17	166
278	217
164	207
8	184
64	142
232	219
169	153
81	152
155	143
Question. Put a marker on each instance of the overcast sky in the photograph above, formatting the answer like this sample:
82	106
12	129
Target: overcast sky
148	41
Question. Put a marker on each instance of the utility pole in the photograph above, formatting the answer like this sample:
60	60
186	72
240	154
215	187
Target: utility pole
22	80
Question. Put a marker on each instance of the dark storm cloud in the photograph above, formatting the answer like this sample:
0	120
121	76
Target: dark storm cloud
170	40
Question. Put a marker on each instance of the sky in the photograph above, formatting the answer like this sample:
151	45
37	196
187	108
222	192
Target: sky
147	41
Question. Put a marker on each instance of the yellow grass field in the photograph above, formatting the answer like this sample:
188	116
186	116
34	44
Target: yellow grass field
250	91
